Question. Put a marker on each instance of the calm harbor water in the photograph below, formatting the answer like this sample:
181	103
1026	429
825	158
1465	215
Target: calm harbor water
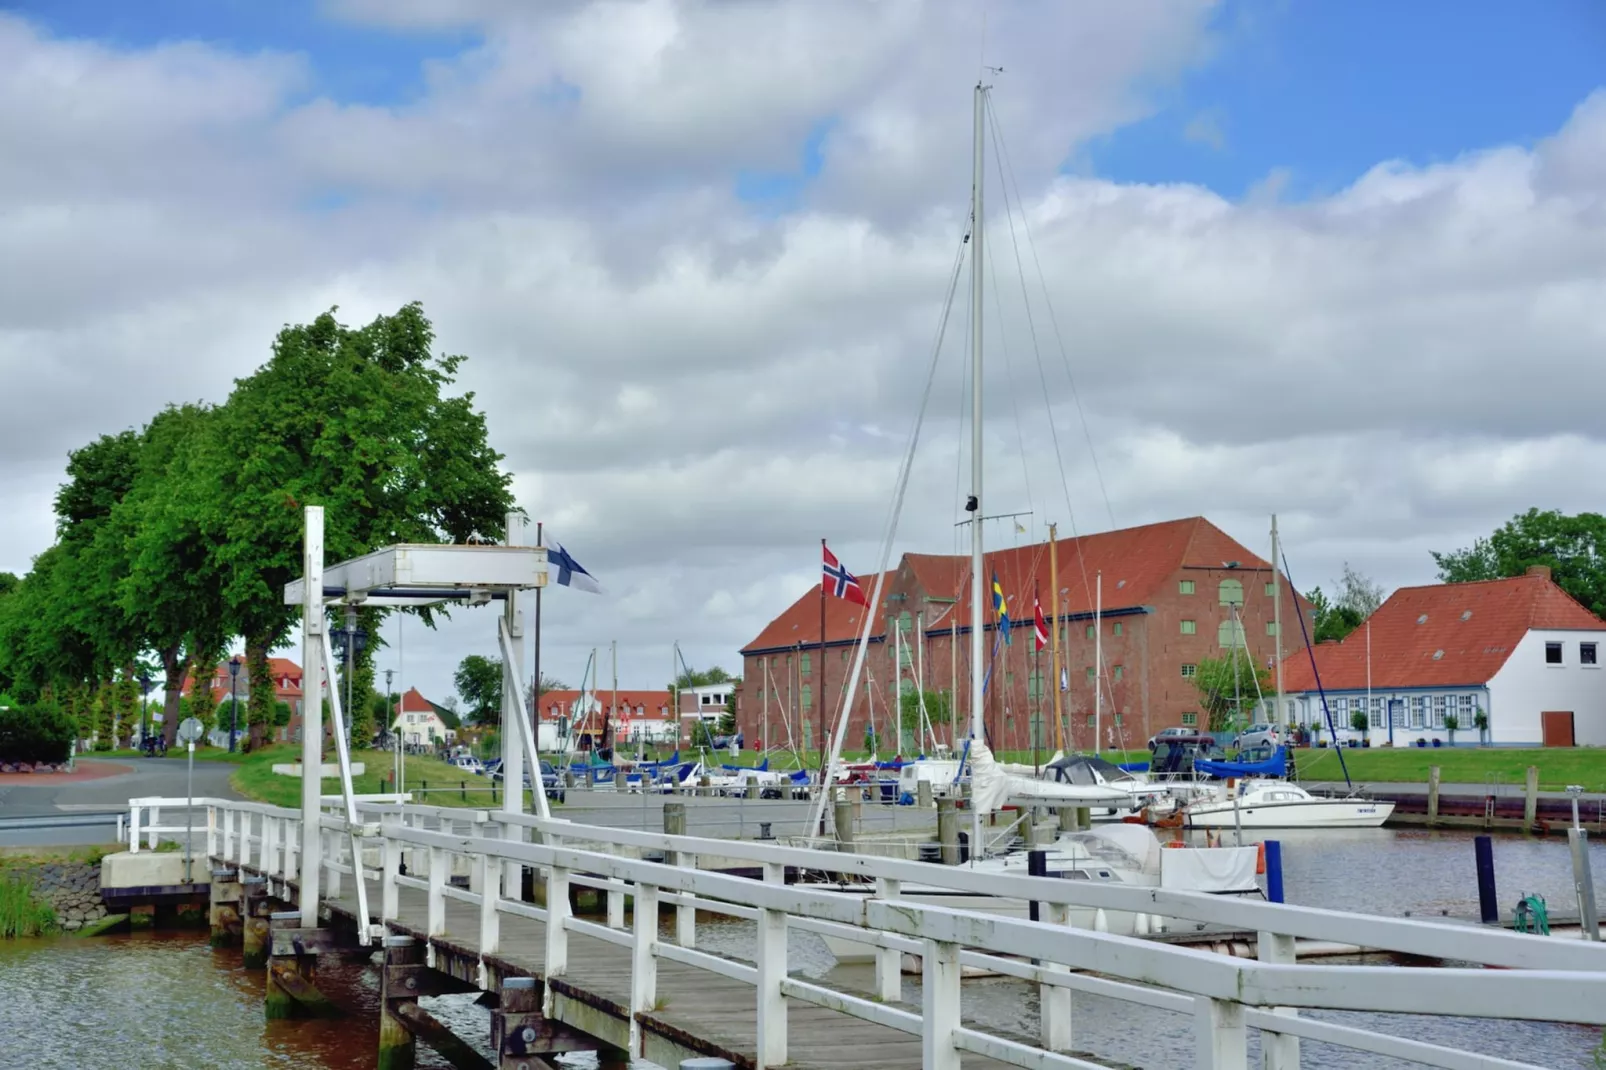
166	1000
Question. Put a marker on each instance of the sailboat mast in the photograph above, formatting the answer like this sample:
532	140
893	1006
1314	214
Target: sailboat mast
1054	596
1277	622
978	611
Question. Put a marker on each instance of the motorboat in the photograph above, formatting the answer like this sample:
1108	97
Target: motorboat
1278	804
1111	854
1092	771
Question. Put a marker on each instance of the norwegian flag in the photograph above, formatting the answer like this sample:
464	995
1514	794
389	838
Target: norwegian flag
839	582
1042	625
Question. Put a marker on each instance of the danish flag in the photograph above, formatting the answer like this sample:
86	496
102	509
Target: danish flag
839	582
1042	625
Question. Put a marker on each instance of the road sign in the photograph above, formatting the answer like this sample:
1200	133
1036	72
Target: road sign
190	730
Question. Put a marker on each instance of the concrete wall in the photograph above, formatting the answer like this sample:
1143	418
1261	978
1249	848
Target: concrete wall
1525	686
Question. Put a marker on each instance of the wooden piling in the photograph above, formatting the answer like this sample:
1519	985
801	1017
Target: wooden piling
277	1002
842	818
923	794
1067	819
398	1050
292	989
674	819
1433	795
1530	802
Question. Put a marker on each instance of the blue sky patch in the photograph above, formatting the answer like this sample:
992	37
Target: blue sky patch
779	192
1325	91
351	64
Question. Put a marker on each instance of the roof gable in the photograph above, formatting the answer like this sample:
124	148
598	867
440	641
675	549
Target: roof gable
1443	635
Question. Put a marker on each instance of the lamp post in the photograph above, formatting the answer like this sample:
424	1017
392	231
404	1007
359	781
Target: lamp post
234	700
348	643
144	707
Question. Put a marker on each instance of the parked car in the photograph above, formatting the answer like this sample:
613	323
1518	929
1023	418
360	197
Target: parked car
469	764
1165	734
550	784
1261	734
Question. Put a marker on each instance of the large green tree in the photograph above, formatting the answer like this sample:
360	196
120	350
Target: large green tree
1229	687
1573	547
360	421
479	684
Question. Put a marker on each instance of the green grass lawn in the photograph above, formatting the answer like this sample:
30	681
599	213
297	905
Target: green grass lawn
1558	766
428	780
202	754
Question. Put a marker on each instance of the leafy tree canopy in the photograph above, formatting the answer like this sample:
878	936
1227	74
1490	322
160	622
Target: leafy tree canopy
479	685
1574	547
1228	688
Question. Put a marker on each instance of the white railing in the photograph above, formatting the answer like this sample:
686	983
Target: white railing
1546	979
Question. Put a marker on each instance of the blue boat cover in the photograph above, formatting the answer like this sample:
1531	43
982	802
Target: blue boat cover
1134	767
1276	765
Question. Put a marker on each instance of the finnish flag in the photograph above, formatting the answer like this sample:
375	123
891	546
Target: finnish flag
563	570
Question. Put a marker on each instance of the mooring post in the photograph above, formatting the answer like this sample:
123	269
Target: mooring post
1036	866
923	797
398	1049
1274	870
1433	795
516	1021
292	989
842	818
1584	882
1067	818
1488	905
223	908
948	831
1530	801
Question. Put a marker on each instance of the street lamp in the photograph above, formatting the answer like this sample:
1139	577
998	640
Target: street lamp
349	642
144	706
234	700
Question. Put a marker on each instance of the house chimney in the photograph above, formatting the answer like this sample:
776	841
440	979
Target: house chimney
1542	571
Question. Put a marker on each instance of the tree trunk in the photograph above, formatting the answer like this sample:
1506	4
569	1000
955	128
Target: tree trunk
174	669
259	702
360	718
127	706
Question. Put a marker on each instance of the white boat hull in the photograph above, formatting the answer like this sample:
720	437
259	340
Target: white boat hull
1304	813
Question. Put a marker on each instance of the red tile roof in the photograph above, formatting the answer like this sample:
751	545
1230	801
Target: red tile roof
1445	635
412	701
1135	563
800	623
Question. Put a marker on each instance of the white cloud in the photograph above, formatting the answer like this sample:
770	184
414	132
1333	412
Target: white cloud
695	393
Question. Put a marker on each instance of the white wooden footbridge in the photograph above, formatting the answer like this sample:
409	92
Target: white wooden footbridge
371	872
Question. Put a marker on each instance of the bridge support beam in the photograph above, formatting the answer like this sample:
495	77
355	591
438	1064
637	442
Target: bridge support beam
292	990
223	907
397	1048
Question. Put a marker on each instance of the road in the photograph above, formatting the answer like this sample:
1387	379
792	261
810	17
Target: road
96	802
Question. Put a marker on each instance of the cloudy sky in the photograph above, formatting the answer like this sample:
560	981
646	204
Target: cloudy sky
1345	262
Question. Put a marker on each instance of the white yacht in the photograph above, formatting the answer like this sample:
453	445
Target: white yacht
1279	804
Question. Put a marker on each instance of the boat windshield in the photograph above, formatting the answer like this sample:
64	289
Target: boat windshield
1079	769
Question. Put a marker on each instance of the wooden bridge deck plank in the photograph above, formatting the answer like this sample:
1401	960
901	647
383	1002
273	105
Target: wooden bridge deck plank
715	1009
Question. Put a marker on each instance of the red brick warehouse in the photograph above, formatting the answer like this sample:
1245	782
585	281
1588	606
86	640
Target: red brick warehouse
1170	591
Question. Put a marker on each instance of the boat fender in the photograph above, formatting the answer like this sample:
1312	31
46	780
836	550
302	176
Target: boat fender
1260	860
1173	843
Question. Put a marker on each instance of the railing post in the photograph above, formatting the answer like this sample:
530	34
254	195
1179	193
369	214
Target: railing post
643	963
1277	1050
332	847
888	960
557	932
292	847
939	980
133	828
437	891
228	836
389	890
770	960
211	830
155	819
490	871
616	908
685	914
1054	1001
1220	1041
270	845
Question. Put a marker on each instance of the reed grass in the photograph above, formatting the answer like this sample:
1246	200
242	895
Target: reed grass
21	914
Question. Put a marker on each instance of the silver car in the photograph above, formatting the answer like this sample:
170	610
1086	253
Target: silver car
1263	734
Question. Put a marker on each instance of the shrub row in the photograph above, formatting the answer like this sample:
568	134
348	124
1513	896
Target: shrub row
40	733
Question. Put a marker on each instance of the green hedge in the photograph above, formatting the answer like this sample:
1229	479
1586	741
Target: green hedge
41	733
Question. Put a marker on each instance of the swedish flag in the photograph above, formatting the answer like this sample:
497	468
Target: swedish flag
1001	608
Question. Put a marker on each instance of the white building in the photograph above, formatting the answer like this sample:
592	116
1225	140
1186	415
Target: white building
630	715
1520	651
418	722
705	703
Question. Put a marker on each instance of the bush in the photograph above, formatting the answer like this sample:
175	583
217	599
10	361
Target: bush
40	733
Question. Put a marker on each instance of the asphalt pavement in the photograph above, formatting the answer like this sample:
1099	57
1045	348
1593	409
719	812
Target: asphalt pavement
95	803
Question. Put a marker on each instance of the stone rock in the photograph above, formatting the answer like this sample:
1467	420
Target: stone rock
72	925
